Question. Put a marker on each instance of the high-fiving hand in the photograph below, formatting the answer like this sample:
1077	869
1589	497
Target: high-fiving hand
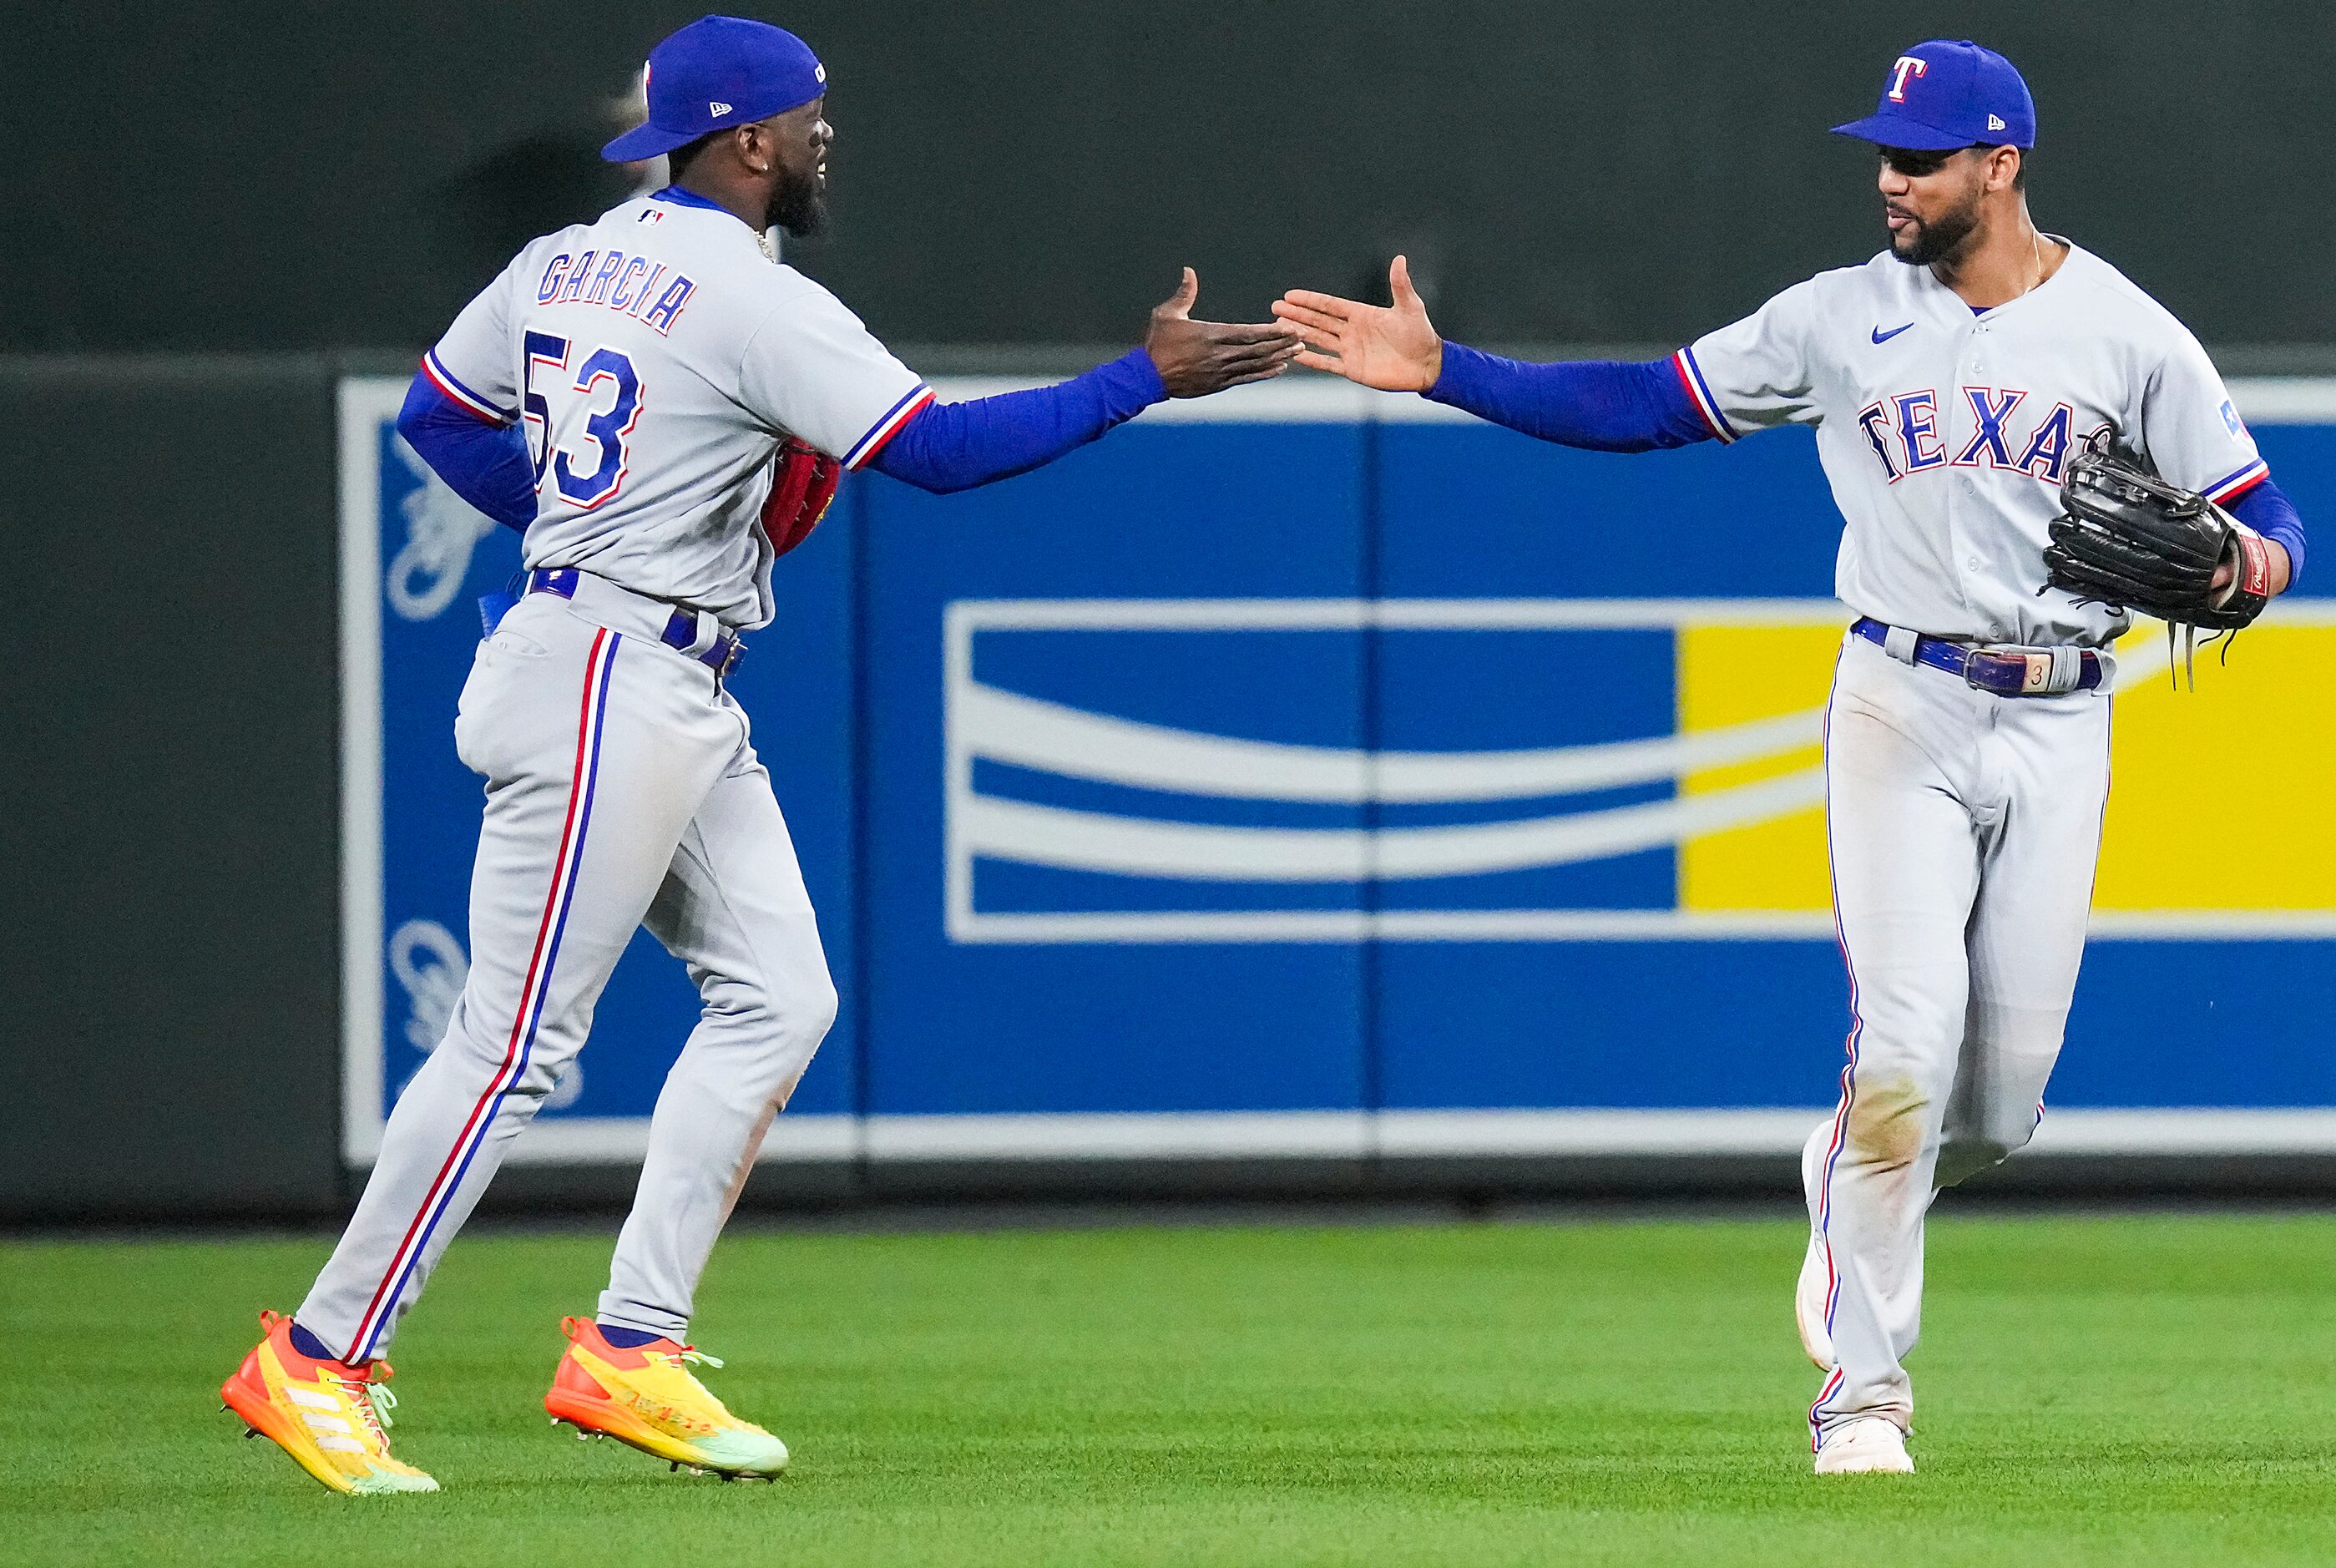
1196	358
1393	348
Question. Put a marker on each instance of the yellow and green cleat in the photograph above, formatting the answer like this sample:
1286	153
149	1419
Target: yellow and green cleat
330	1417
648	1397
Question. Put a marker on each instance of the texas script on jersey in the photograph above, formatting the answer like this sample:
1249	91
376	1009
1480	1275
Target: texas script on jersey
1905	430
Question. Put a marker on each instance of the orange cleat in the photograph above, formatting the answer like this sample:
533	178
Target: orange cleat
329	1416
649	1398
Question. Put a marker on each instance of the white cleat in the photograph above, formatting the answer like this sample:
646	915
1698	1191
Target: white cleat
1871	1445
1817	1281
1809	1305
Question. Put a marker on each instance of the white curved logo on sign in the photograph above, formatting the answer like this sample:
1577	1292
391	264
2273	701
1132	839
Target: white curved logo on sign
1003	726
1070	749
441	530
430	963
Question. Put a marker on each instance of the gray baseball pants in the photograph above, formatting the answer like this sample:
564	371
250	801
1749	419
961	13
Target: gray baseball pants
622	790
1963	828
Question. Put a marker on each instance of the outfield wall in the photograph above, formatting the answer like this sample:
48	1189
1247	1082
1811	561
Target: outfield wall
1314	780
1219	628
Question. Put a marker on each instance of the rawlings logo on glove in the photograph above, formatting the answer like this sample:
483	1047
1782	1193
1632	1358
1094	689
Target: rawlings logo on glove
802	481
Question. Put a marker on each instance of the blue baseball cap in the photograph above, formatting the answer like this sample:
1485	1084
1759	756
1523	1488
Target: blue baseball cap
716	73
1942	95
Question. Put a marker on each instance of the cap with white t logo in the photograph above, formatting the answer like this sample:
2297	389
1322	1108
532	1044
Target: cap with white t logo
1945	94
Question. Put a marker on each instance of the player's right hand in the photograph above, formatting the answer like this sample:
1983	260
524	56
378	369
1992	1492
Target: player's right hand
1392	347
1196	358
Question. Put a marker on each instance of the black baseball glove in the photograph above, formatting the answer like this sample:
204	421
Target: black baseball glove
2124	536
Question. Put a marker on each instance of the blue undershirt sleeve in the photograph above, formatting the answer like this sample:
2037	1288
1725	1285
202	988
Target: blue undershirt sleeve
1603	404
2267	510
951	446
486	464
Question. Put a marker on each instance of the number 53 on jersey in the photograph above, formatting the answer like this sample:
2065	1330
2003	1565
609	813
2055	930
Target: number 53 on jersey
577	414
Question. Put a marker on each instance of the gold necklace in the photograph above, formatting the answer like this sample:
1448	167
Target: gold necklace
2036	248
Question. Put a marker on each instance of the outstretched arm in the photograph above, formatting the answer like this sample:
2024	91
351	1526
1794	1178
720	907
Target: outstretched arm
952	446
1606	406
1603	404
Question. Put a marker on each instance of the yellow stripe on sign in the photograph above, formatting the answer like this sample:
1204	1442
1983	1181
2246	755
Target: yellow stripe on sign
1730	675
2218	798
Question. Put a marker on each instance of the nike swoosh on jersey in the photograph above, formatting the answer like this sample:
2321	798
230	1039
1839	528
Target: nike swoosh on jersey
1882	337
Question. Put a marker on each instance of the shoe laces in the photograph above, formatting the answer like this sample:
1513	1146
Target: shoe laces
371	1381
691	1353
372	1402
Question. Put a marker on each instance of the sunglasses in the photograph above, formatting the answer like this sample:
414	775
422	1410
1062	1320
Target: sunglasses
1914	163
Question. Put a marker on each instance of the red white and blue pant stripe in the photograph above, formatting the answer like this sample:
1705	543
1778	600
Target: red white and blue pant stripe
535	996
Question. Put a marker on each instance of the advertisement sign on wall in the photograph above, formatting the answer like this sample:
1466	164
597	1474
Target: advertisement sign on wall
1303	772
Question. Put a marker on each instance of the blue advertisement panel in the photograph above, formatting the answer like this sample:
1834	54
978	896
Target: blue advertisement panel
416	559
994	719
1306	771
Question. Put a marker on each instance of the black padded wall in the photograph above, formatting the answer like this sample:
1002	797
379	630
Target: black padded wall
169	983
267	175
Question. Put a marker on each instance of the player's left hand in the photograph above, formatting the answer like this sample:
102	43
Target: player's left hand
802	481
2282	569
2125	537
1196	358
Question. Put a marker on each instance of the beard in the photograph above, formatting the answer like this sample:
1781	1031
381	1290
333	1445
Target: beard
1939	239
799	206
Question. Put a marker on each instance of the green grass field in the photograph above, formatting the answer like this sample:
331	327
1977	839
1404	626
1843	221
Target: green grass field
2121	1391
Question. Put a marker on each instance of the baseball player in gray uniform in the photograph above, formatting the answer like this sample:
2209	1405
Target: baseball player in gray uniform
664	409
1951	381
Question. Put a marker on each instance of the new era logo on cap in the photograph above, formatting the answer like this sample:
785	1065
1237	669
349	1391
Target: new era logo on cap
1995	123
716	70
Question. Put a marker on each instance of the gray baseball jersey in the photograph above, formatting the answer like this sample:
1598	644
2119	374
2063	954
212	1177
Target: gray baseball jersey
1945	432
1961	826
657	356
